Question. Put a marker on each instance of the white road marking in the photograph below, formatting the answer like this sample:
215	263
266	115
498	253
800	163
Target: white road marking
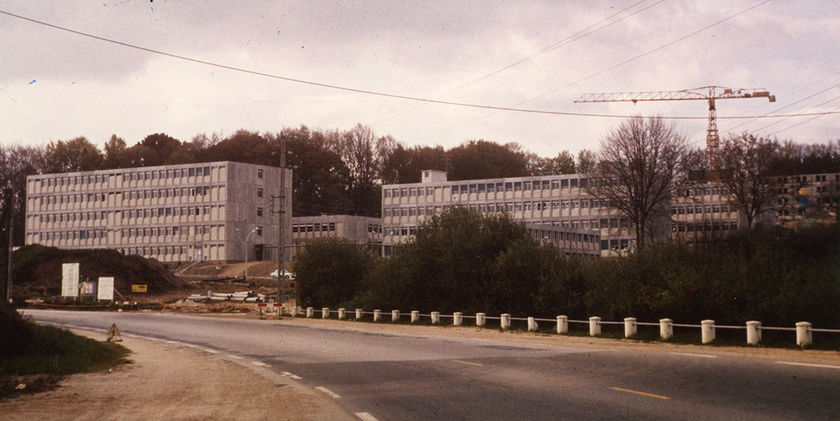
210	351
328	392
291	376
260	364
808	364
364	416
235	357
694	355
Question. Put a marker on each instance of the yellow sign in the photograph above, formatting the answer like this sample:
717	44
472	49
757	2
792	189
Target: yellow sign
139	288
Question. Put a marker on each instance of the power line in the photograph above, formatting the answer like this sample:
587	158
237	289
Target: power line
574	37
622	63
787	106
407	97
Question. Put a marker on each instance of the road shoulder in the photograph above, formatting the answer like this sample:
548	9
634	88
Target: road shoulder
171	381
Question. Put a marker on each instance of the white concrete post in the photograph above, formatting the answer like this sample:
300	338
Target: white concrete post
280	311
707	331
341	314
666	329
294	311
358	314
804	336
630	328
435	317
753	332
480	319
532	325
457	318
505	322
594	326
377	314
325	313
395	316
309	312
562	324
415	316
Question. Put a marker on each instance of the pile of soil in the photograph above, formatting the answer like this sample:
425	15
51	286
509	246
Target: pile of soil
37	270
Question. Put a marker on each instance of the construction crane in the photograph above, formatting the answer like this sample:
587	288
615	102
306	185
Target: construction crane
708	93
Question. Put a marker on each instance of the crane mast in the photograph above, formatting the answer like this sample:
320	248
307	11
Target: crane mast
707	93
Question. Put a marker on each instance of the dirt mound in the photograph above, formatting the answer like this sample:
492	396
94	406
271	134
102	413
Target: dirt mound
37	270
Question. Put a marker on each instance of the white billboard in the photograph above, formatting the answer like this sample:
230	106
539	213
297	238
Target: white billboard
69	279
106	288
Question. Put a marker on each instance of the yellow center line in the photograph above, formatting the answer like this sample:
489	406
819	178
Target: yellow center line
468	363
650	395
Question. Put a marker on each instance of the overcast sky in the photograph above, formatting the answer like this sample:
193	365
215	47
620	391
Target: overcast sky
56	85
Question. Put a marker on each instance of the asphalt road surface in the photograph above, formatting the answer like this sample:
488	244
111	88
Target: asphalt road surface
390	376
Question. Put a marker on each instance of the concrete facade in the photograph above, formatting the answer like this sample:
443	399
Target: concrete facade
558	208
357	229
173	213
559	203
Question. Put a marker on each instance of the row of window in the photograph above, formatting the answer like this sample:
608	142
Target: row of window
325	227
374	229
500	207
168	231
130	176
512	186
128	195
557	236
705	227
127	213
155	251
702	191
585	224
700	209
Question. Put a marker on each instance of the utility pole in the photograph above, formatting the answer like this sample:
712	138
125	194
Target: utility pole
11	237
281	285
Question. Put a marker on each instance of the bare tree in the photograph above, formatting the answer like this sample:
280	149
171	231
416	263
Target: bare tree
637	167
746	169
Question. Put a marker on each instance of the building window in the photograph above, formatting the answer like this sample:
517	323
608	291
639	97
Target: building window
259	192
259	231
259	211
259	173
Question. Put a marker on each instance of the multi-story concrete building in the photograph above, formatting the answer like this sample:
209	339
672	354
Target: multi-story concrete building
357	229
558	208
559	201
173	213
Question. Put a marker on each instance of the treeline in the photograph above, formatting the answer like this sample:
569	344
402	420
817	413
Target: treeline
464	261
335	171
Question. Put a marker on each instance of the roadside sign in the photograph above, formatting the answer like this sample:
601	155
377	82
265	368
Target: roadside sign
106	288
88	289
139	288
69	279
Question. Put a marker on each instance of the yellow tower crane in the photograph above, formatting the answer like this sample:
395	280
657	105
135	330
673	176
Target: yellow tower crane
708	93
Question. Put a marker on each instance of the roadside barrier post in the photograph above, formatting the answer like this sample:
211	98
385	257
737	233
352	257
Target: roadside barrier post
358	314
804	336
707	331
562	325
630	328
377	314
594	326
457	318
294	311
666	329
532	325
395	316
415	316
480	319
435	317
753	332
310	312
341	314
325	313
505	321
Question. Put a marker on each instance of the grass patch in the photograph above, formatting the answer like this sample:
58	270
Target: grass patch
38	356
58	351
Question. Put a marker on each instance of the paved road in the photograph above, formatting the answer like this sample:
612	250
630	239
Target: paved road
422	376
